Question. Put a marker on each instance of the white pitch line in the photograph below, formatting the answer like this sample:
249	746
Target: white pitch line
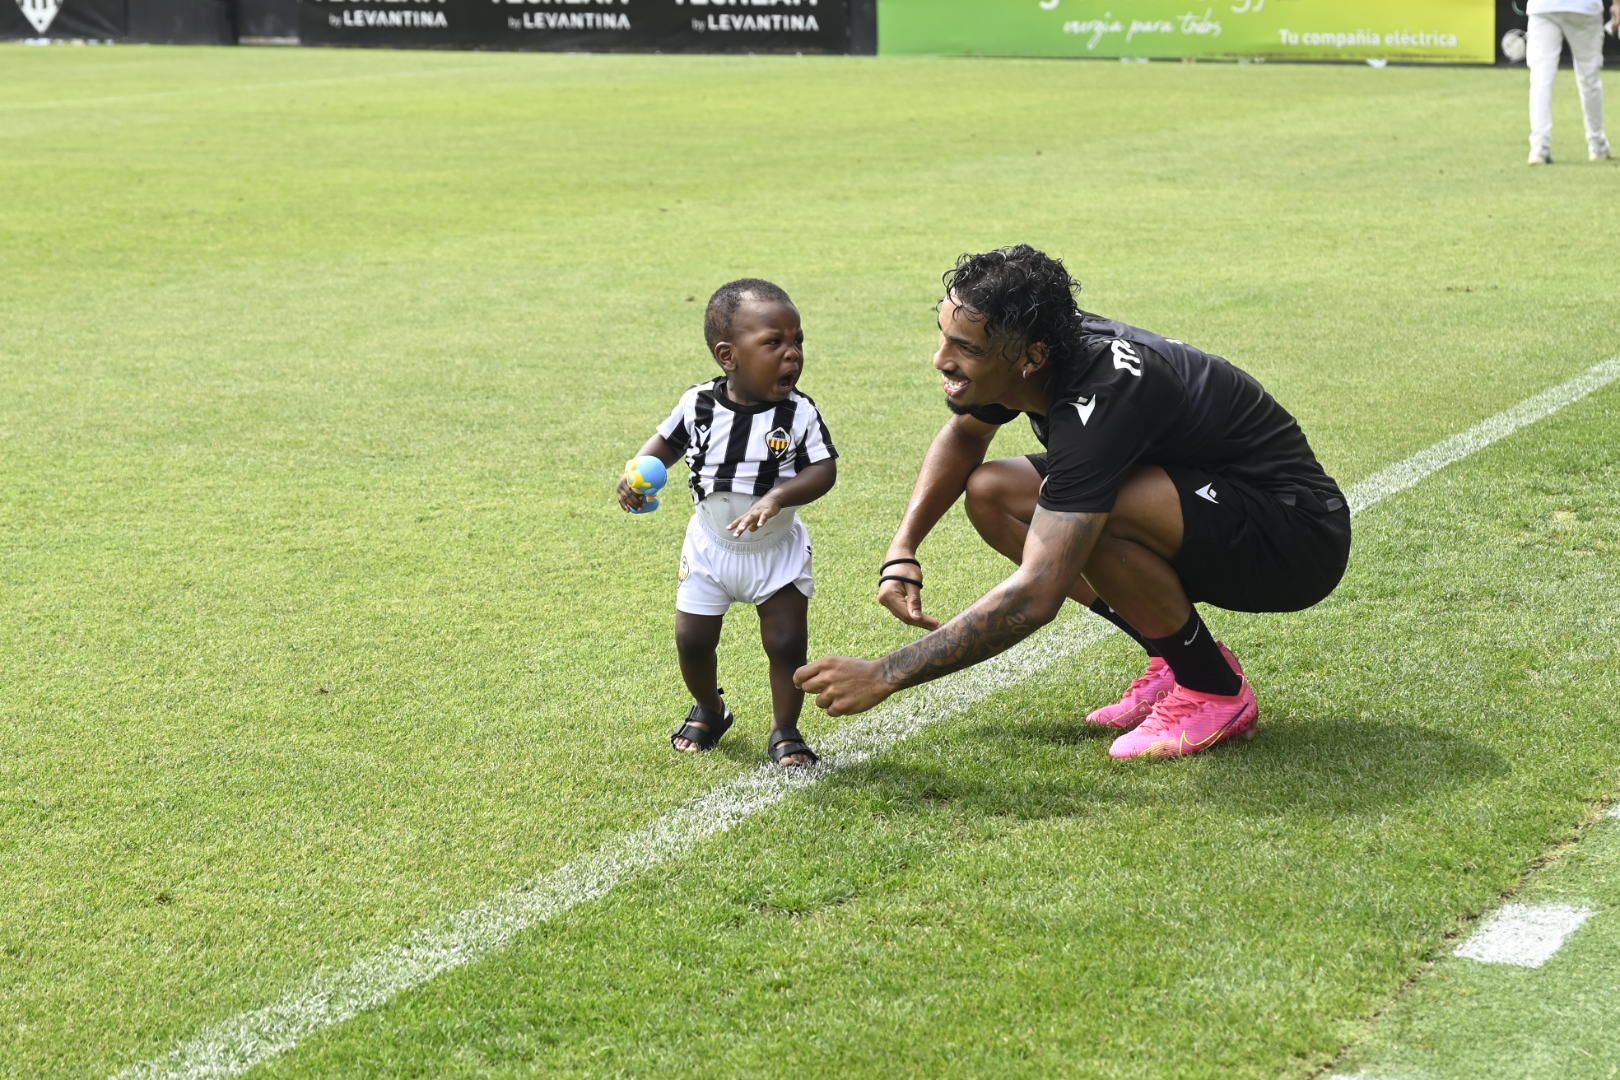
330	997
1403	474
1525	935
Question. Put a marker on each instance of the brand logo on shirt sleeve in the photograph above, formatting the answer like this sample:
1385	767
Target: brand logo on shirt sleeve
1085	407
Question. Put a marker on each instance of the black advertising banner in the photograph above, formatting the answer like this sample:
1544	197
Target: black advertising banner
709	26
96	20
1511	19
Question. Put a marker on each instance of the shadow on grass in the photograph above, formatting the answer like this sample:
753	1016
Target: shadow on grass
1043	769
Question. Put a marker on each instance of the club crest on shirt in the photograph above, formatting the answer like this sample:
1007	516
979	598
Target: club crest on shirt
685	570
779	441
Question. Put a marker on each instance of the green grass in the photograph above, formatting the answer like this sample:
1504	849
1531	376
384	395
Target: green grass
318	621
1471	1021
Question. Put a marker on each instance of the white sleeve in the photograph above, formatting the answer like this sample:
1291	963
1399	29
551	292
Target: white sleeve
816	442
675	429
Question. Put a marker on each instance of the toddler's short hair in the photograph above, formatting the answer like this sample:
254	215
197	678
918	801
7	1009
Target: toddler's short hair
728	297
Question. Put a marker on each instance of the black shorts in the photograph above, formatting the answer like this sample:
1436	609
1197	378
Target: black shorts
1247	549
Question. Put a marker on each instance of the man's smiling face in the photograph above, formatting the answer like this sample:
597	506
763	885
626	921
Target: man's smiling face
976	370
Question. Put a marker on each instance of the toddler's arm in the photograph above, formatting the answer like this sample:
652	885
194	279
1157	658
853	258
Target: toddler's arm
629	498
811	483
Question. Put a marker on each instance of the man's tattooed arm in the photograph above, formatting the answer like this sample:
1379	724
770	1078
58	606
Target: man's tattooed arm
1055	552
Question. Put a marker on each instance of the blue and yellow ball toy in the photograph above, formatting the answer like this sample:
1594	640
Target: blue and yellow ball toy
647	475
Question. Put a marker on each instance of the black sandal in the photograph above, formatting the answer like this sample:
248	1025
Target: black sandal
788	746
706	737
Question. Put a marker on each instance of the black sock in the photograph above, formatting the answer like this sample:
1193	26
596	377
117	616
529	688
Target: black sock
1100	606
1193	655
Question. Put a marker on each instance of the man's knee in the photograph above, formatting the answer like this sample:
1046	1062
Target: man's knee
998	488
981	489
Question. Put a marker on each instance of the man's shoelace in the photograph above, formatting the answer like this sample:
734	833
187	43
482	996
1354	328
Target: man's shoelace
1141	681
1169	711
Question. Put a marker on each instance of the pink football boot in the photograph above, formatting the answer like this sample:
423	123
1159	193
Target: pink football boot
1185	722
1139	699
1144	693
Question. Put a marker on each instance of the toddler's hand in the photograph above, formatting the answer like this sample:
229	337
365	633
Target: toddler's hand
765	508
630	500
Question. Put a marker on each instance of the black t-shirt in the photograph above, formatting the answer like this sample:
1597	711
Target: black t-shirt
1129	397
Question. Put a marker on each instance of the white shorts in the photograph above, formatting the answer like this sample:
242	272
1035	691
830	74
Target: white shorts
717	571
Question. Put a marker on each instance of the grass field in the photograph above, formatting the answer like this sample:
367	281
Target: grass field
1469	1019
319	624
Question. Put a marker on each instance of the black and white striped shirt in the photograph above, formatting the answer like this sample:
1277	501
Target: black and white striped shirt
748	449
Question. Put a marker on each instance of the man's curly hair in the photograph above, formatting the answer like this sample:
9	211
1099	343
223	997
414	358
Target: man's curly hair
1025	296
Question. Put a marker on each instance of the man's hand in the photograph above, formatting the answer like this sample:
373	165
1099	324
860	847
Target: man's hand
764	508
844	685
904	600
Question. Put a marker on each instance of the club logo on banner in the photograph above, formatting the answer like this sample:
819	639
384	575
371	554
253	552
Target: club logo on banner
65	20
40	13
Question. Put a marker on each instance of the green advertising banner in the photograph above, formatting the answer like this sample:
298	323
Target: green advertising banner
1436	31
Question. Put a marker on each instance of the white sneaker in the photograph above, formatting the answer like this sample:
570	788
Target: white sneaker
1601	153
1541	157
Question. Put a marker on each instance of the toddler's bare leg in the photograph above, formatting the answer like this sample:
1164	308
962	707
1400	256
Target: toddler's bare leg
696	639
785	632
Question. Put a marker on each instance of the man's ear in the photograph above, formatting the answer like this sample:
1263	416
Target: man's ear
725	356
1034	360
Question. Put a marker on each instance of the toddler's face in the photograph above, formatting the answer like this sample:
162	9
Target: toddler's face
766	351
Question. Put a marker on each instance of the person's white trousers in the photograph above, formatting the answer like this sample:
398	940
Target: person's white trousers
1543	43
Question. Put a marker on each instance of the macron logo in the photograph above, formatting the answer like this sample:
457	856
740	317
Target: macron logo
1085	407
1207	492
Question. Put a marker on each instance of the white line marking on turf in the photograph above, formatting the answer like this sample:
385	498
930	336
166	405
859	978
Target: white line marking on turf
1614	811
1523	934
1404	474
329	997
333	996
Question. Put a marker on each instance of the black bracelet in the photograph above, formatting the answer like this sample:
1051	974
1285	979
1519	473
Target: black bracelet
897	577
891	562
